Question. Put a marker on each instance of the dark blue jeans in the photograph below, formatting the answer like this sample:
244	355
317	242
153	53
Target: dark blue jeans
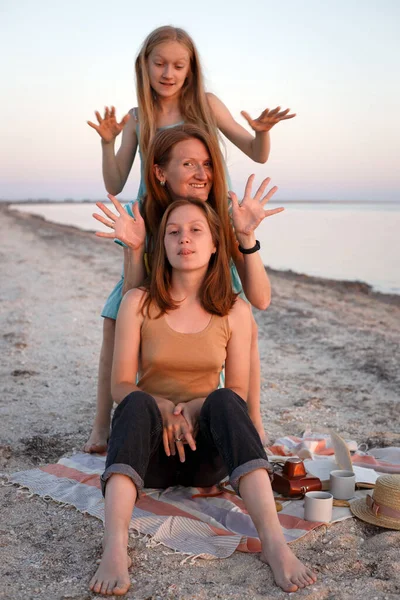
227	443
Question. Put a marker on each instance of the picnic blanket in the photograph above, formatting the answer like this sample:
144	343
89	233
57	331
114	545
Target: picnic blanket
208	523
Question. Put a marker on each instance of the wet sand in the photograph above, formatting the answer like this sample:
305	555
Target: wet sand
330	358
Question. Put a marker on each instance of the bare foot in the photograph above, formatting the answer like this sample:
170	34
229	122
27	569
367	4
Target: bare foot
98	439
112	577
289	572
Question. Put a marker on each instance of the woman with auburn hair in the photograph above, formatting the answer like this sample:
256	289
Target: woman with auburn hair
174	427
185	162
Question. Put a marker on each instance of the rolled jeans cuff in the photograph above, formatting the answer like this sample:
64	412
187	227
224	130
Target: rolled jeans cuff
248	467
122	469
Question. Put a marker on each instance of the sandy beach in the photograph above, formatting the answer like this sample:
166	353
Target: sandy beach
330	359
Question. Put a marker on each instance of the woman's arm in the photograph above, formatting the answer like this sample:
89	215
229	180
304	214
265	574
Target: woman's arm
253	275
237	364
131	231
246	217
127	346
258	147
116	167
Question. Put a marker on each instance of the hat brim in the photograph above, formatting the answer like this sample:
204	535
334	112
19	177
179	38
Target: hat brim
360	509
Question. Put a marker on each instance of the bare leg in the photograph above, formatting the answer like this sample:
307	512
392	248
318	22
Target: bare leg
253	399
112	576
289	573
97	441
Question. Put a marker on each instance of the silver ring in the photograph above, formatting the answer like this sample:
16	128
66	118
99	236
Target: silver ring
178	439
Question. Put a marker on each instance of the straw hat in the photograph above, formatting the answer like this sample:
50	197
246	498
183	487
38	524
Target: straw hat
383	507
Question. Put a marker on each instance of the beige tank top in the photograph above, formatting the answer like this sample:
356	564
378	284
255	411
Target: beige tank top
182	366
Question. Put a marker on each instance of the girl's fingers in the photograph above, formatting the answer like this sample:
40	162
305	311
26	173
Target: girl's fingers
249	185
181	451
166	442
103	220
247	117
171	441
98	116
262	187
264	113
106	211
288	117
96	127
273	211
275	111
190	440
234	199
103	234
117	204
136	212
268	196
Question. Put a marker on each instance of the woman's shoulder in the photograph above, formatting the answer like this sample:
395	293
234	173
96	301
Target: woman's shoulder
133	300
240	314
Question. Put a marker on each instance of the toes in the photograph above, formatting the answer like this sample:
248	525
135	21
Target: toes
92	583
288	586
312	575
121	588
104	588
303	577
296	579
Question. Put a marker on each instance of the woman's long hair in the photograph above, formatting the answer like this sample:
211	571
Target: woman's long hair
193	102
216	294
158	198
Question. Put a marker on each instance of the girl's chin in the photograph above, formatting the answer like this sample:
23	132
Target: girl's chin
193	195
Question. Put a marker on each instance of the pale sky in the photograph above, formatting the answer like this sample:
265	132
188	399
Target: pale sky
336	64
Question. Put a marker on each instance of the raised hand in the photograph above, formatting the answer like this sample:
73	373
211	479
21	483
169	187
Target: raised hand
129	230
250	212
267	119
108	127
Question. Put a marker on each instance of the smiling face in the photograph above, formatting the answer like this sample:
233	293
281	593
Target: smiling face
188	241
168	66
189	172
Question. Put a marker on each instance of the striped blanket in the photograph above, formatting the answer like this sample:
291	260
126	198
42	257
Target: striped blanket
211	523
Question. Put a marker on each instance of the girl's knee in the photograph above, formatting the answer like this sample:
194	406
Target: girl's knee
222	401
137	403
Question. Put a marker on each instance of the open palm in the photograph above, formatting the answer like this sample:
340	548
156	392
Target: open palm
250	212
129	230
268	118
108	127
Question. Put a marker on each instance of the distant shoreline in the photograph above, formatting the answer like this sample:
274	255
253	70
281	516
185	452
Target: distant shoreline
124	200
342	285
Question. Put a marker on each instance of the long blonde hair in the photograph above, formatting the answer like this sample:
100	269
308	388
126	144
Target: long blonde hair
193	102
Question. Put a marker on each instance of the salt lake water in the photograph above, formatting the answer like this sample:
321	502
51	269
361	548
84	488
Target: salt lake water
338	241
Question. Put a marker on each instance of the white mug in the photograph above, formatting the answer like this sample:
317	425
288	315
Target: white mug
318	506
342	484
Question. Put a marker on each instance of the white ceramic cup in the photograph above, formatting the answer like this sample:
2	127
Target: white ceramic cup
318	506
342	484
